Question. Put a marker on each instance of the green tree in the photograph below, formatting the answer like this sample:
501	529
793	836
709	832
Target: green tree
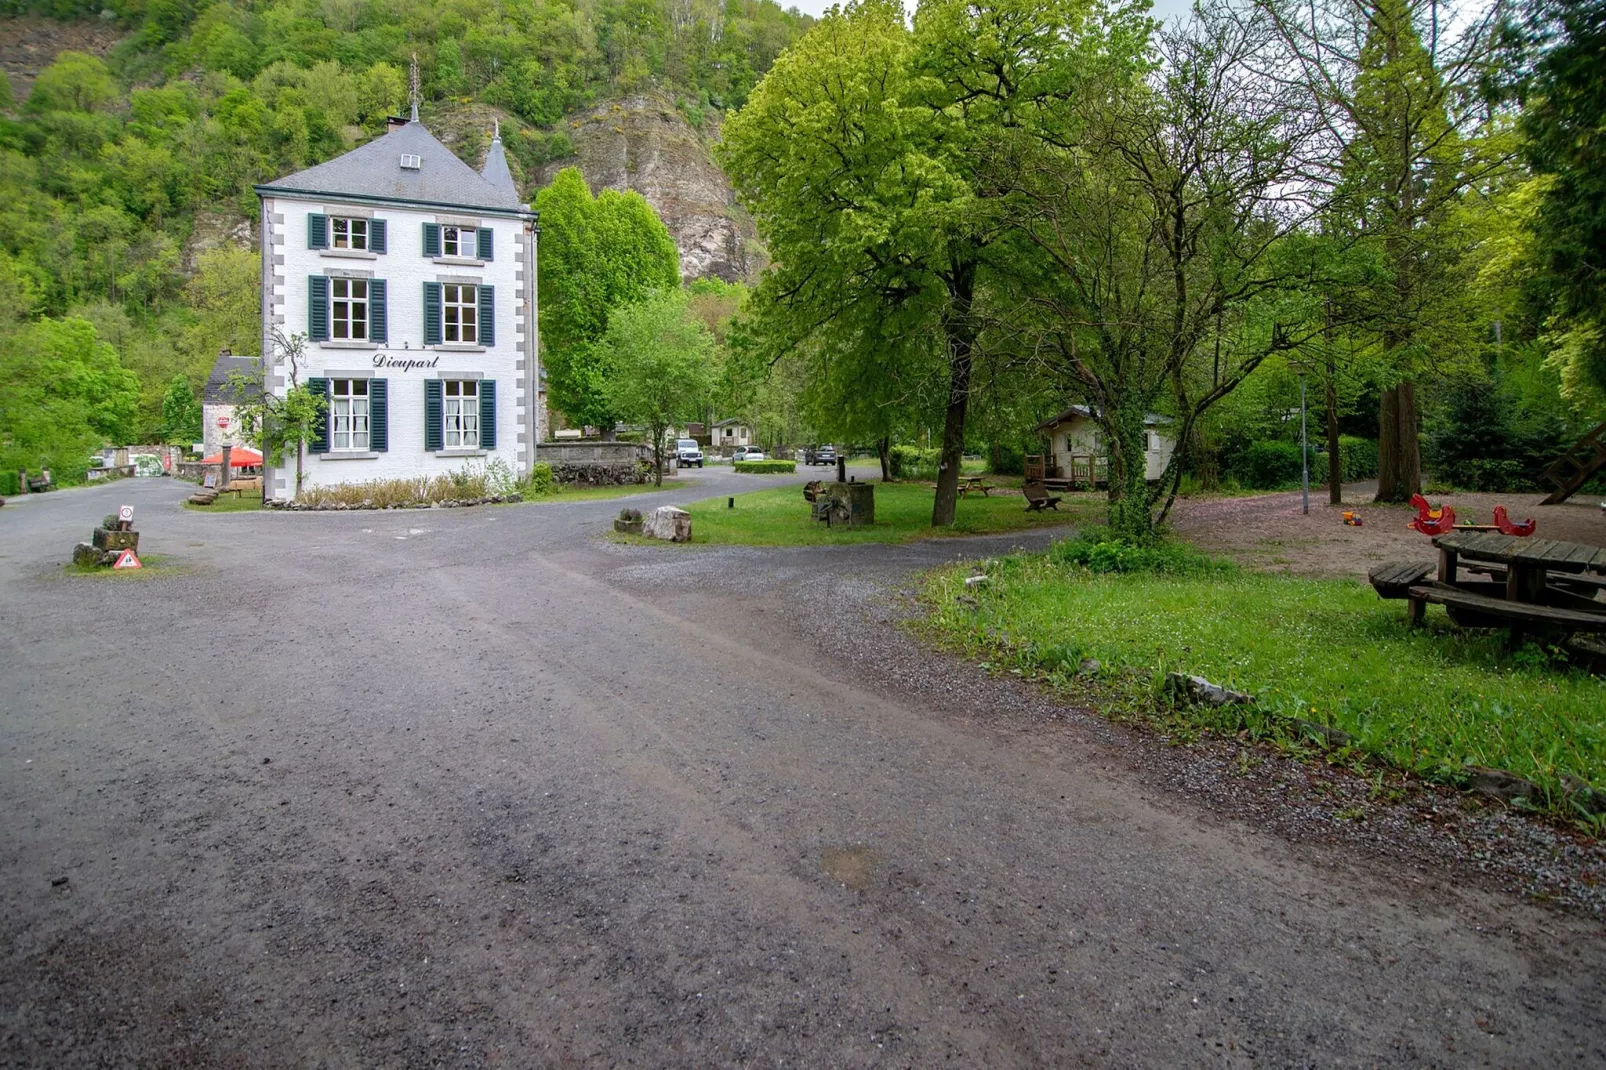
1565	112
274	423
74	82
65	394
660	357
597	254
871	155
181	412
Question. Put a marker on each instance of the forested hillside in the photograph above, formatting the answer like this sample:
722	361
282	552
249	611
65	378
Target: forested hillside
125	177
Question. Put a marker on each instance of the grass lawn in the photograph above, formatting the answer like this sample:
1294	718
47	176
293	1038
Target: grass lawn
565	493
1434	700
244	502
780	517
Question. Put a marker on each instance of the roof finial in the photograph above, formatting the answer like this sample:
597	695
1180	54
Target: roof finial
414	94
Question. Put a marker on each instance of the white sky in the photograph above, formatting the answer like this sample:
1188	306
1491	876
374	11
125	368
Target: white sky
1163	9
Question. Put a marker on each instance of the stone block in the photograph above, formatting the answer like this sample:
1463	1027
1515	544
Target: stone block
667	522
116	540
86	556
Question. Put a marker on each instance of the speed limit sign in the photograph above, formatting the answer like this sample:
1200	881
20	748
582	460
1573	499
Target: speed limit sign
125	513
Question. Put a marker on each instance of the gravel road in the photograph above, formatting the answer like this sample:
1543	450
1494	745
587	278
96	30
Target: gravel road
476	787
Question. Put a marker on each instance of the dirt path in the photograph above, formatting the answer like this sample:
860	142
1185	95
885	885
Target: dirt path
472	788
1270	532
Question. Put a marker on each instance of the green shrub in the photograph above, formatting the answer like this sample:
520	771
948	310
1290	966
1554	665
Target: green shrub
760	468
911	462
539	481
1358	454
1098	550
9	483
1268	465
1006	459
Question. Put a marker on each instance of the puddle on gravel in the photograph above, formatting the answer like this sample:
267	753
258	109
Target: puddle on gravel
853	865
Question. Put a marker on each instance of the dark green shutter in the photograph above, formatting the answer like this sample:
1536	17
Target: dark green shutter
434	424
376	236
379	415
318	308
432	239
317	231
486	251
487	316
318	441
432	313
487	414
378	321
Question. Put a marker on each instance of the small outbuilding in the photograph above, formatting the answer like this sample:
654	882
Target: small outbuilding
1078	453
220	425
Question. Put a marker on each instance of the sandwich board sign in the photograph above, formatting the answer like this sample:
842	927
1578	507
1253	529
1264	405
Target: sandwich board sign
126	559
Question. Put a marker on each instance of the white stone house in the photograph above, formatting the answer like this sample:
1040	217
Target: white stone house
412	277
220	426
1076	444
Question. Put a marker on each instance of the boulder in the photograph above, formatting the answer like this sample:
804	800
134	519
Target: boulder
1196	689
86	556
667	522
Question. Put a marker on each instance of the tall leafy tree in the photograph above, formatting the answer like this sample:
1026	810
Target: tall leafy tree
1394	84
598	254
181	412
870	156
64	394
661	359
1565	113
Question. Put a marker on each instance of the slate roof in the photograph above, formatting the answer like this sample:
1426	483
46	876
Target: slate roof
374	171
1151	420
218	391
496	171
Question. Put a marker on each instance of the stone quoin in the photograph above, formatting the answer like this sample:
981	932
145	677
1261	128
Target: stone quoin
412	277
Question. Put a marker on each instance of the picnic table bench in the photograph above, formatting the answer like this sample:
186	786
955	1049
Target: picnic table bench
1532	583
1038	497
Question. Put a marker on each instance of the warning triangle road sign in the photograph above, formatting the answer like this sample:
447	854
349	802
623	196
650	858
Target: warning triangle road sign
126	559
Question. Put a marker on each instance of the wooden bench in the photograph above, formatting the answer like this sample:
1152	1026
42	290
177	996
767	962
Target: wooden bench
41	483
1038	498
1394	580
1516	613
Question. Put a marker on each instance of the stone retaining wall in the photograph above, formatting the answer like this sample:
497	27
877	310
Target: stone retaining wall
597	463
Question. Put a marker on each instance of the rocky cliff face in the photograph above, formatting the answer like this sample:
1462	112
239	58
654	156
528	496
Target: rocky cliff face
644	144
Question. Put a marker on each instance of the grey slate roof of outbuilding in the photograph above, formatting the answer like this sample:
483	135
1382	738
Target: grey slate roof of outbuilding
374	170
219	392
1149	420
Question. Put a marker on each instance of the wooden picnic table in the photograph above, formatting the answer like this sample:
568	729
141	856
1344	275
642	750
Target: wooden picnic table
970	483
1526	597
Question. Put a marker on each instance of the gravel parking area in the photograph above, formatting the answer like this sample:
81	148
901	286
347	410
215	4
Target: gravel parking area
478	787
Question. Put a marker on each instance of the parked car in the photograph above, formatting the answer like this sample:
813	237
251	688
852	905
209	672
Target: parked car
823	455
689	453
748	453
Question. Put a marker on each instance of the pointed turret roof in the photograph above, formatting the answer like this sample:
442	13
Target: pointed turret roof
495	170
374	171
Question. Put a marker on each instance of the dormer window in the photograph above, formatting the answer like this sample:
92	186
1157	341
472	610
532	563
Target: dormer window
348	233
411	161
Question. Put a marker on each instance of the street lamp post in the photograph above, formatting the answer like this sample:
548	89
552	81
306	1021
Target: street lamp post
1299	368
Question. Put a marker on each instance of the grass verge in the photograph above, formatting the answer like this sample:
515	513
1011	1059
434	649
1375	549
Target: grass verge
780	517
1436	700
151	565
245	502
564	493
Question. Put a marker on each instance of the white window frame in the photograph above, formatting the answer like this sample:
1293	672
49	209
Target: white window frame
349	309
463	243
460	414
460	314
349	429
349	232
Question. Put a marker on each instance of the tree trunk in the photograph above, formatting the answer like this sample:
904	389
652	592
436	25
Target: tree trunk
298	469
960	333
1131	501
1335	463
1399	462
883	448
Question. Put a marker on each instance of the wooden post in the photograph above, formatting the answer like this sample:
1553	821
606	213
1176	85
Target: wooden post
1415	610
223	480
1447	563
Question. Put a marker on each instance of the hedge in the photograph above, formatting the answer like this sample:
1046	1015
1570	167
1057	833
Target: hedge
910	462
760	468
1270	465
